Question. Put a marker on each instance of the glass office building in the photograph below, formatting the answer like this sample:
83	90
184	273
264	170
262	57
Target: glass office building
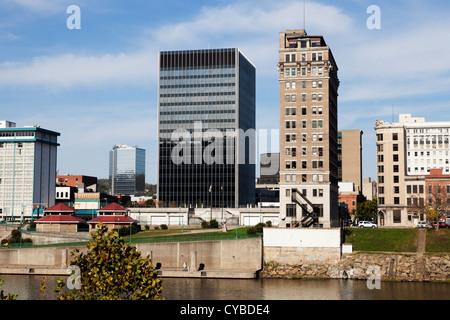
127	170
204	92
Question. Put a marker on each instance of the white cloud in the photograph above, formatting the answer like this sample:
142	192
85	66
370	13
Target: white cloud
68	70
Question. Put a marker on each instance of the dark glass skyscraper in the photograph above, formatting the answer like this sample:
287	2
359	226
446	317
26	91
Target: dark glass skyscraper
205	92
127	170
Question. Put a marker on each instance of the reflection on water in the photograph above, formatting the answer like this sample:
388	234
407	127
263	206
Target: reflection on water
27	287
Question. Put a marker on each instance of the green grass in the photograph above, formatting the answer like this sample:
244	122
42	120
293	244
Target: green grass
178	235
389	240
438	241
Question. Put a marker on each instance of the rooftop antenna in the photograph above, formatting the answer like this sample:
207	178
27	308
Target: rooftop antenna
304	14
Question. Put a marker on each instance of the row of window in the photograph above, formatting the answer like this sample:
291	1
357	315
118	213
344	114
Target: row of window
315	111
315	84
292	124
292	57
292	137
304	177
292	165
316	151
314	71
315	97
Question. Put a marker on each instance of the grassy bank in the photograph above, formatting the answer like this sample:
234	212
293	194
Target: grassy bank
396	240
392	240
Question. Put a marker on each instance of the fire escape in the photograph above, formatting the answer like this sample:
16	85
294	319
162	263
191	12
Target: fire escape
310	212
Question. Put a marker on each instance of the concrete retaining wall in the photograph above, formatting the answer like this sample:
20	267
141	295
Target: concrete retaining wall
297	246
222	255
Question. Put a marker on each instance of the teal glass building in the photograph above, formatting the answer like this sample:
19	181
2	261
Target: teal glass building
213	89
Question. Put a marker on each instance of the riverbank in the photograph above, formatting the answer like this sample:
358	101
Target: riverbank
362	265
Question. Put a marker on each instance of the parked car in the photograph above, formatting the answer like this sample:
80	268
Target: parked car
441	225
366	224
423	224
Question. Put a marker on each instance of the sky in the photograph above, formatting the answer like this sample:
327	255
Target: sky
97	86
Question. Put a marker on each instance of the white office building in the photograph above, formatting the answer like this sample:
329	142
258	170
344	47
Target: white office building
27	170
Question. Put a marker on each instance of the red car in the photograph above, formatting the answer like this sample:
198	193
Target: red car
441	225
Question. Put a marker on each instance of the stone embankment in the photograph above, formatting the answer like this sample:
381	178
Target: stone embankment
361	266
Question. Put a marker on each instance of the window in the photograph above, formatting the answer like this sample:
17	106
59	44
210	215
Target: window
303	111
396	179
291	210
395	168
303	97
304	137
396	189
380	200
395	136
395	147
397	216
395	157
396	200
380	137
288	192
303	84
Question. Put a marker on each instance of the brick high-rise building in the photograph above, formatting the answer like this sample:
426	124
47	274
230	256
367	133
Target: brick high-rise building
308	78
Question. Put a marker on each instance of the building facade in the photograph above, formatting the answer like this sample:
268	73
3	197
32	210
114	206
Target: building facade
407	152
350	157
206	128
28	158
308	79
127	170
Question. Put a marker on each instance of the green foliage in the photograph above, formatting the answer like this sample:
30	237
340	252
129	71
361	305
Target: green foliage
164	227
112	270
125	230
8	296
16	237
213	224
257	229
367	210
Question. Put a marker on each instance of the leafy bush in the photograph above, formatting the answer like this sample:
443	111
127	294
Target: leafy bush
213	224
257	229
164	227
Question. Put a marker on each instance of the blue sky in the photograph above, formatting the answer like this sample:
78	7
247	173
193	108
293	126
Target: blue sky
97	86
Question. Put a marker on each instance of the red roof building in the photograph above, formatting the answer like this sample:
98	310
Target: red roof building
114	216
59	218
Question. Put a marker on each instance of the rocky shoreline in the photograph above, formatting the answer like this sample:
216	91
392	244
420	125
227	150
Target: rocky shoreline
362	266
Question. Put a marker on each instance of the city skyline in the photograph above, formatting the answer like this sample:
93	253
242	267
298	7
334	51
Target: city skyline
87	83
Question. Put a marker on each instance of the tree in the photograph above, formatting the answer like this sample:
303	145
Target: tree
111	270
367	209
437	204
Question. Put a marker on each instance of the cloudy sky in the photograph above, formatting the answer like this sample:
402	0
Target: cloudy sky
97	85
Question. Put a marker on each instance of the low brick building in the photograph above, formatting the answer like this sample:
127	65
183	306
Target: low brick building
113	216
60	218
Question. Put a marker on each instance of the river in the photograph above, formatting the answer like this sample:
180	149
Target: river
27	288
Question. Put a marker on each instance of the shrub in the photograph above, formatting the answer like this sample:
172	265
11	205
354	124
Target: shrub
205	224
164	227
213	224
257	229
